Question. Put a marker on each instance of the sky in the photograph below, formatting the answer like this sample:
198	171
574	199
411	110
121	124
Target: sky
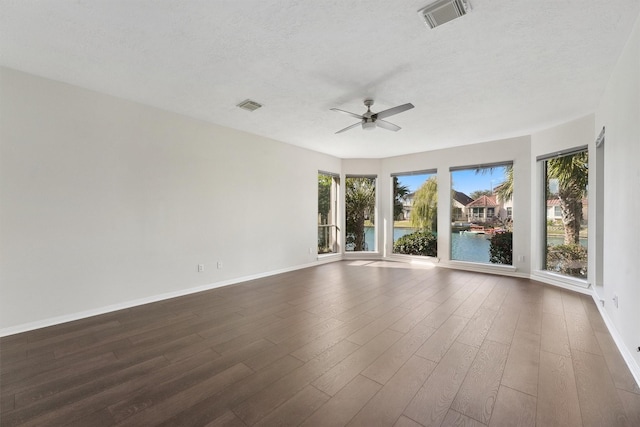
466	181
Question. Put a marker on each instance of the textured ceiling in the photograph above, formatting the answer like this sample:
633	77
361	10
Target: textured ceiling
507	68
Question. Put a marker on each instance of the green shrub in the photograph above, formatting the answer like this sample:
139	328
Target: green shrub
501	248
423	243
567	259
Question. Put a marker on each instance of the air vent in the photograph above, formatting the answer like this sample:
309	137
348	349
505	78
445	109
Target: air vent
249	105
443	11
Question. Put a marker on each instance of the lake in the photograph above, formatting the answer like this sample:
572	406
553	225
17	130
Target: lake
464	246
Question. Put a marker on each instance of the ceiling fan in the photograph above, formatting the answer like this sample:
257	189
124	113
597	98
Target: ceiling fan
371	120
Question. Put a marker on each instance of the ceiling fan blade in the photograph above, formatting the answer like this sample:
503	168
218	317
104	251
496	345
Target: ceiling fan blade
349	127
395	110
357	116
386	125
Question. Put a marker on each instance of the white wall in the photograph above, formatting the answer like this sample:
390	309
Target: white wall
619	112
106	202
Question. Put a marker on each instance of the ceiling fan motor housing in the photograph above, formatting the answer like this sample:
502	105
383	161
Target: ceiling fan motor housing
368	124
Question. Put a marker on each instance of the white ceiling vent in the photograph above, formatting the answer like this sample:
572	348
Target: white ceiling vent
249	105
443	11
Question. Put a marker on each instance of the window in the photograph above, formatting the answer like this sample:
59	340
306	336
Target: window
360	210
328	185
481	213
415	209
566	177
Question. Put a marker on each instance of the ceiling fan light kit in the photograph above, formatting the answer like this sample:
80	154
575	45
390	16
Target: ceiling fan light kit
442	11
370	121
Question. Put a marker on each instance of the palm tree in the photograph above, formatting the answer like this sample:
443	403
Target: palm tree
572	174
425	206
324	198
360	199
504	191
400	193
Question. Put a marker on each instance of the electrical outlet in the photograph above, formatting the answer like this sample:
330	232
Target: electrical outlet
200	268
219	265
615	300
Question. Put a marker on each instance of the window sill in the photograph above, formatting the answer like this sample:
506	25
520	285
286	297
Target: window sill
480	267
559	280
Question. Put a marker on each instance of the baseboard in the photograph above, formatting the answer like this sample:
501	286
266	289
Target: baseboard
624	351
25	327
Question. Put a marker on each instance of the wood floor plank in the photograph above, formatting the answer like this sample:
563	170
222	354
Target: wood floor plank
404	421
472	304
477	328
521	369
504	325
385	366
631	403
343	372
478	392
552	301
572	303
215	405
432	401
456	419
331	338
368	332
415	316
228	419
266	400
581	336
600	403
620	373
558	403
496	297
513	408
530	319
439	342
387	405
554	337
295	410
175	403
54	412
342	407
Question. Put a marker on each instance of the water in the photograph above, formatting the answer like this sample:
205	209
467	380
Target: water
464	247
369	235
559	240
470	247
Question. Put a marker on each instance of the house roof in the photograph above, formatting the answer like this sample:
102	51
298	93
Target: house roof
556	202
505	69
461	198
484	201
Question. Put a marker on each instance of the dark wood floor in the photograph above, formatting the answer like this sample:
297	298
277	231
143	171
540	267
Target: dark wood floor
347	343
